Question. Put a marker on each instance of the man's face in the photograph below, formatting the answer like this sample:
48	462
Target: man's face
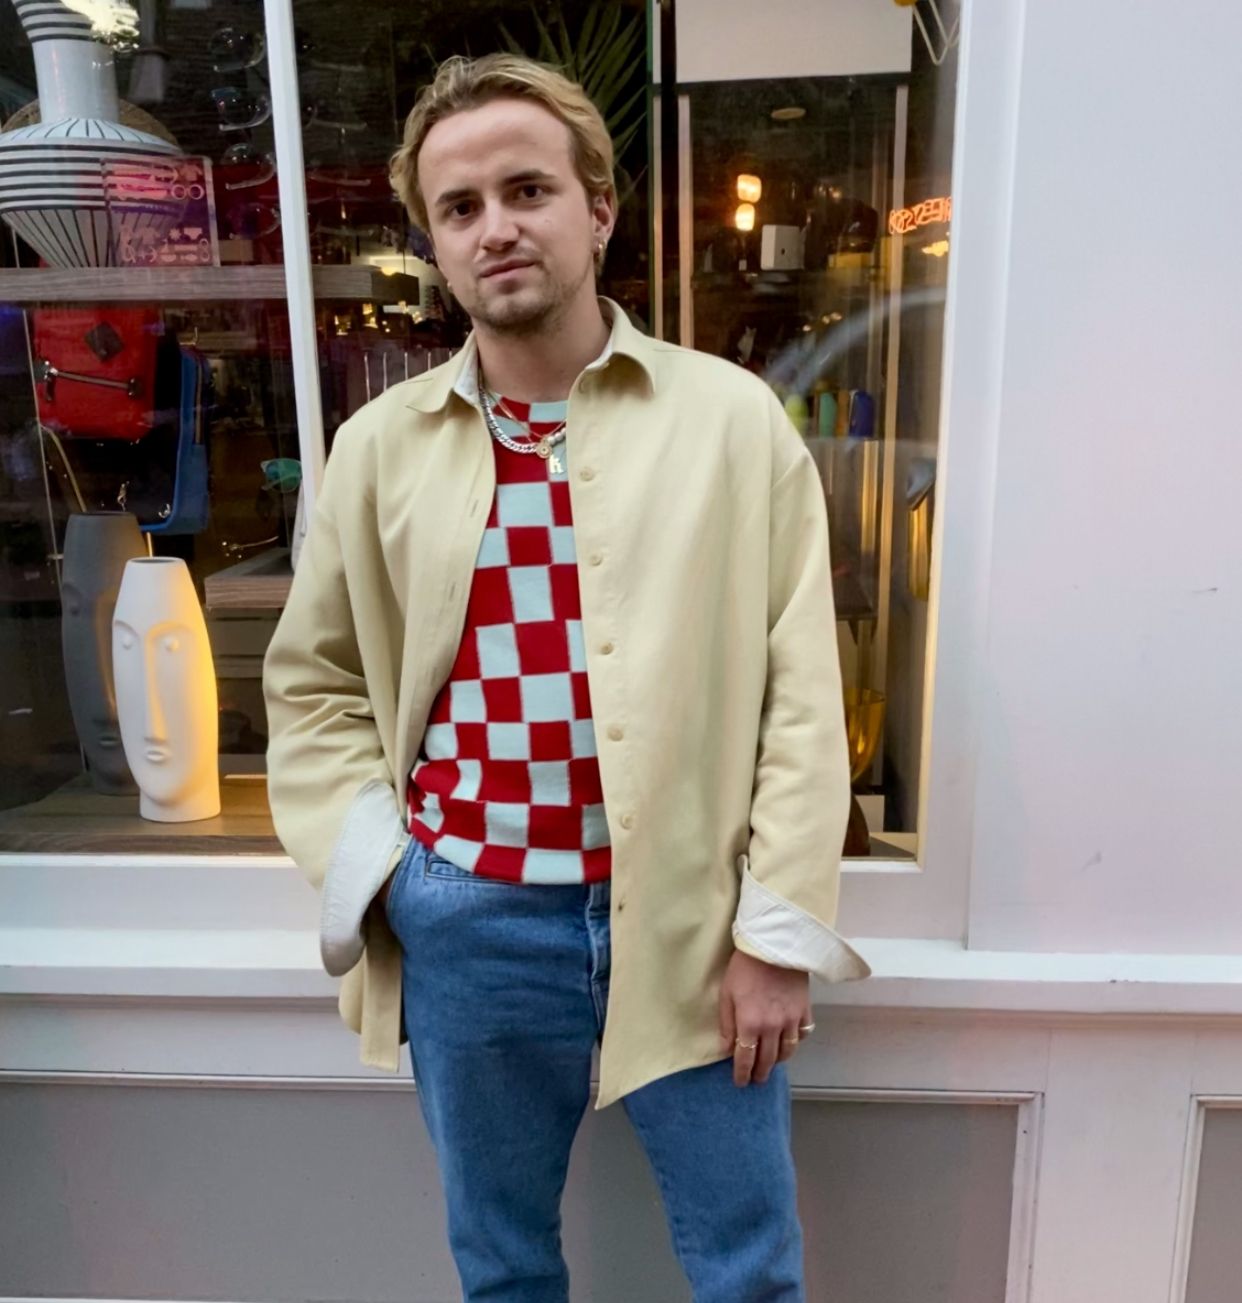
513	228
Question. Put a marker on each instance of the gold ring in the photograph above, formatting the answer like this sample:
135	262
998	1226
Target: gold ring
790	1040
742	1045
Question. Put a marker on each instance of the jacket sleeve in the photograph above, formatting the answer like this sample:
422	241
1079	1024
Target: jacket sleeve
330	786
800	800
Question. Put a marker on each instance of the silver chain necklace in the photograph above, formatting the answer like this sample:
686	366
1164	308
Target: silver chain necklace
543	447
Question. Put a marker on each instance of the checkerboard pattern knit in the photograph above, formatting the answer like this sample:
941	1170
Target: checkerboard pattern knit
507	784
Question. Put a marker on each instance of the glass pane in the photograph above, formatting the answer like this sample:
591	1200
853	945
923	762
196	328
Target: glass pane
148	411
815	235
395	316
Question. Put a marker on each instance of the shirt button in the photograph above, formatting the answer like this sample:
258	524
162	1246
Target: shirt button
597	558
617	734
606	649
586	473
627	820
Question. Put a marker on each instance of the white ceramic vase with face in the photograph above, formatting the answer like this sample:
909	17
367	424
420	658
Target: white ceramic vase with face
166	691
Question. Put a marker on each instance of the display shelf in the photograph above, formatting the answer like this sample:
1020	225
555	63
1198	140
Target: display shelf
793	278
76	819
197	284
260	582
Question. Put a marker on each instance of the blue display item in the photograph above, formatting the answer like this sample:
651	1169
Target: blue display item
862	415
190	509
281	474
13	353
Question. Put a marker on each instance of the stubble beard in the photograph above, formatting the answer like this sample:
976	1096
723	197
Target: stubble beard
531	311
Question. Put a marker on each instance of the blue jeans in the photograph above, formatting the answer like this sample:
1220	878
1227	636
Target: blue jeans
505	993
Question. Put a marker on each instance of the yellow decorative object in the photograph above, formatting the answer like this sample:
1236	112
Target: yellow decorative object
864	726
744	218
749	188
918	550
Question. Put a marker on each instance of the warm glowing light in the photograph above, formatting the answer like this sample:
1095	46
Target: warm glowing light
901	221
744	218
937	249
110	20
749	188
389	264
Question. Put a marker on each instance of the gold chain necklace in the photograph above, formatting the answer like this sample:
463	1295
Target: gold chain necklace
543	447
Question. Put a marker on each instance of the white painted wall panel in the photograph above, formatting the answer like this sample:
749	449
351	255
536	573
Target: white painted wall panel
1215	1247
731	40
1111	694
291	1194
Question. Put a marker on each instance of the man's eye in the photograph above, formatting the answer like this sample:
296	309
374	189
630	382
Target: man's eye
531	191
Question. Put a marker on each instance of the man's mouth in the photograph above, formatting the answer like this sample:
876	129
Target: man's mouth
501	268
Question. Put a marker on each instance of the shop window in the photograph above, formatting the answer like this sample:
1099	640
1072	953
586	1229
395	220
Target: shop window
147	409
785	204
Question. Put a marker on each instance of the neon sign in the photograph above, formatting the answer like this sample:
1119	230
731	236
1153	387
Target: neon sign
901	221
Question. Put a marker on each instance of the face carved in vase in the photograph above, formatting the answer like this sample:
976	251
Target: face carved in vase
87	616
166	698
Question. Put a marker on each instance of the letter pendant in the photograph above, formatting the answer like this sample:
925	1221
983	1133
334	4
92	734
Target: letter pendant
544	449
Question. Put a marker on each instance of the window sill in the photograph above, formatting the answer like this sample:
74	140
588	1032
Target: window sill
919	976
923	974
77	820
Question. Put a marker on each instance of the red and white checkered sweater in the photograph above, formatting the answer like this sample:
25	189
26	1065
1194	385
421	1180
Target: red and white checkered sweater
507	782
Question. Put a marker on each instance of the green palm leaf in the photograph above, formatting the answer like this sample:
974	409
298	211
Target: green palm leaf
603	57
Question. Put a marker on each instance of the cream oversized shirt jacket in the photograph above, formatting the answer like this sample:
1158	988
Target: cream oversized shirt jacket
707	615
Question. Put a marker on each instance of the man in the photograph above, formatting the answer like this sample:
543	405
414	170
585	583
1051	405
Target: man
556	722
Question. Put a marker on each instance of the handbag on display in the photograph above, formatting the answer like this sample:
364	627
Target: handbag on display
189	509
96	371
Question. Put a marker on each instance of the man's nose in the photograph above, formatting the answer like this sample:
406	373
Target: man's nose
499	228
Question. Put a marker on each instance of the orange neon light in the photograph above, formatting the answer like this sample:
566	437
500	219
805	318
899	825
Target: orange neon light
901	221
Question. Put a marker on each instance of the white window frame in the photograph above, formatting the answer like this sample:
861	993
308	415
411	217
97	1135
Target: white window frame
929	898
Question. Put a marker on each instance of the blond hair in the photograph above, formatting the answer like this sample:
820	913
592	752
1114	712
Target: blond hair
462	84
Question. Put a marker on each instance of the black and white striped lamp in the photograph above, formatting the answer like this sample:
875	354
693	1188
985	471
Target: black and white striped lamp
79	186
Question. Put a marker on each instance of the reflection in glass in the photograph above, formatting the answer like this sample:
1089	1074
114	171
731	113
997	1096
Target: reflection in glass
232	50
97	548
814	218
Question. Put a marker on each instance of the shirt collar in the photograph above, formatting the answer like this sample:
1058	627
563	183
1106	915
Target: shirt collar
460	375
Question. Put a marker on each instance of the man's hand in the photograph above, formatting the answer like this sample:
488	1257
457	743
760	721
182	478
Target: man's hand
762	1007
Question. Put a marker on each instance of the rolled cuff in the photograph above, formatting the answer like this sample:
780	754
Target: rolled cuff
770	928
368	848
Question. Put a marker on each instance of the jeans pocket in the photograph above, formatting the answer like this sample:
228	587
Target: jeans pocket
436	866
395	880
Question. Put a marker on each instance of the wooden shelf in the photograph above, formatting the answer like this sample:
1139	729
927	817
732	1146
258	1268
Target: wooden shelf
76	819
787	279
260	582
357	282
